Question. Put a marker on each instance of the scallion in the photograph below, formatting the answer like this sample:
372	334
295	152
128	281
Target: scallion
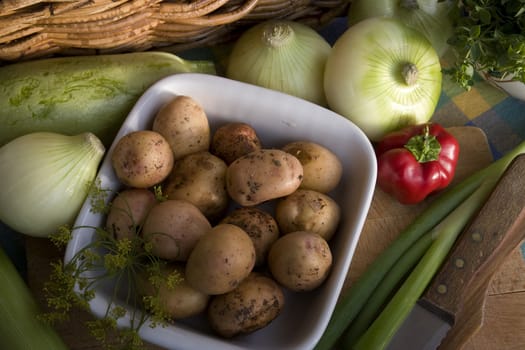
451	204
378	298
388	322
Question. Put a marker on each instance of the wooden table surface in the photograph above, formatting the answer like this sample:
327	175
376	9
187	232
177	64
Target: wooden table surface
504	311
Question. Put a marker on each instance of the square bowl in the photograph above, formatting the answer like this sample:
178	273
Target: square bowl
278	119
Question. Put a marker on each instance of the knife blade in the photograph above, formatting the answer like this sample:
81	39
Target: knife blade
458	290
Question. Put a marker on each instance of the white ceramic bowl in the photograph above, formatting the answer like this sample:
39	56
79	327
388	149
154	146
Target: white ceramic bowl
278	119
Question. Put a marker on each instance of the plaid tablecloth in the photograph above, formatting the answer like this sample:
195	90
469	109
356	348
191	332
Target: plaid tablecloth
501	117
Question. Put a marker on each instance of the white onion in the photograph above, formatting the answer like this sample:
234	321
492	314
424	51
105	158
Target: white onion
281	55
45	179
383	75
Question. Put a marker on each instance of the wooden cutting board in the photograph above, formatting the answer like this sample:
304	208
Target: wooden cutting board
504	326
504	312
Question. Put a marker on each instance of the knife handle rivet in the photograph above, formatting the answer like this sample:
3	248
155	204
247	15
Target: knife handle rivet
460	263
476	237
442	289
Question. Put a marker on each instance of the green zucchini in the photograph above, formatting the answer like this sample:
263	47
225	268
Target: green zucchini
72	95
20	329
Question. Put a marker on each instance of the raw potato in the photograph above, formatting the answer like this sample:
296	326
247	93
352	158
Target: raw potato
128	211
221	259
307	210
322	168
173	228
178	299
142	159
300	260
259	225
200	178
263	175
256	302
233	140
183	122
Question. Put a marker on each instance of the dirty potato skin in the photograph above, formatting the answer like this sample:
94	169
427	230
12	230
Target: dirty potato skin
142	159
256	302
184	124
128	211
307	210
259	225
220	260
233	140
322	168
300	260
178	300
199	178
173	227
263	175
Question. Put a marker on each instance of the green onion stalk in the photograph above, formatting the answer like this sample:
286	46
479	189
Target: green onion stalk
354	321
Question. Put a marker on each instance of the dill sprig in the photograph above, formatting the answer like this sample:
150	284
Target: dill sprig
122	262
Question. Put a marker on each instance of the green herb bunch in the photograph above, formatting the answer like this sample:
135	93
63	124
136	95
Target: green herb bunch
124	263
489	35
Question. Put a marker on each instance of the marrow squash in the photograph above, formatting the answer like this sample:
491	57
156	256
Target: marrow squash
72	95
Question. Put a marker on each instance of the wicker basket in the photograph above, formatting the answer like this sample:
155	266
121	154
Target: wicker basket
35	28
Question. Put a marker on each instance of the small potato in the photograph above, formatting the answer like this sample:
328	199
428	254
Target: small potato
173	227
199	178
221	259
300	260
183	122
322	168
233	140
256	302
142	159
307	210
176	297
263	175
259	225
128	211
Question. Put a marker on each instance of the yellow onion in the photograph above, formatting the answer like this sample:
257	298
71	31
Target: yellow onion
281	55
45	179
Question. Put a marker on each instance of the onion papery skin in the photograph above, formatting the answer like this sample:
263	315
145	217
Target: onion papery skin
432	18
281	55
363	79
46	177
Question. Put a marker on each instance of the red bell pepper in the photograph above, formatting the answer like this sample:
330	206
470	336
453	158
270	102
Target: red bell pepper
416	161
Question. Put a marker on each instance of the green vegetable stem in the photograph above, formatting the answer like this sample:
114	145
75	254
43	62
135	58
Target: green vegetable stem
443	220
384	327
378	297
21	328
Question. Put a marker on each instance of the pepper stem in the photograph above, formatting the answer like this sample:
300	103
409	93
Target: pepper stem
409	73
425	147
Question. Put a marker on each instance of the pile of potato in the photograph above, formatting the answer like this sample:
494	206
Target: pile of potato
215	226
